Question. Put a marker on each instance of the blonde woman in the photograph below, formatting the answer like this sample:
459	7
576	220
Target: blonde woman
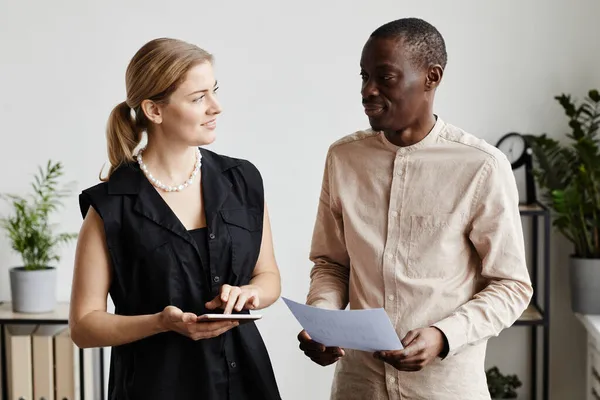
174	232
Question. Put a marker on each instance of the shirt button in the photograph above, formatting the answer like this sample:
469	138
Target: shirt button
216	279
212	236
392	380
391	297
394	214
233	364
399	173
389	256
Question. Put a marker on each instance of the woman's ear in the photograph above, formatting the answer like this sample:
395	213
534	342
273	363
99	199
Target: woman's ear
152	111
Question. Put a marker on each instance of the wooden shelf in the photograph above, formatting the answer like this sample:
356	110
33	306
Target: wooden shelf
60	315
531	209
532	316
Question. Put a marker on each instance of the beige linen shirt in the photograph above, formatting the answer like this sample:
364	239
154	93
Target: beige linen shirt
431	233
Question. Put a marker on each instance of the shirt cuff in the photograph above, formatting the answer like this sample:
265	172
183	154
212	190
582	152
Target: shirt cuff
454	333
444	353
321	303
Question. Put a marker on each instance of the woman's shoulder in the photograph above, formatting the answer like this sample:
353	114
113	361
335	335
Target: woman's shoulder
104	195
94	196
225	162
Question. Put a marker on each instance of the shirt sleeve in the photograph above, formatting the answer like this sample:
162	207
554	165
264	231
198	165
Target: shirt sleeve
497	235
330	272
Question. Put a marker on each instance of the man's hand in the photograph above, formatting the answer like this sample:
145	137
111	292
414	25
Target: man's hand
317	352
421	346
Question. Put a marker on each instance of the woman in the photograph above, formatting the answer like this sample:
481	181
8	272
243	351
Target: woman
174	232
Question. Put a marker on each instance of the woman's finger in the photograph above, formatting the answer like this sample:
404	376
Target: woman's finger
225	292
241	302
232	299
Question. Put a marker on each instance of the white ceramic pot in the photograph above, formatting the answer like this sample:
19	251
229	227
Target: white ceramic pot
33	291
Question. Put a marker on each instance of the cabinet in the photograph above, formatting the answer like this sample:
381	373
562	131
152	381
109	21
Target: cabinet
592	325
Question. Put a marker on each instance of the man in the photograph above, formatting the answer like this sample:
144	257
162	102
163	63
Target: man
420	218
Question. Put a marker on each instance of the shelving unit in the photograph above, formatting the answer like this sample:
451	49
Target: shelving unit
60	316
537	315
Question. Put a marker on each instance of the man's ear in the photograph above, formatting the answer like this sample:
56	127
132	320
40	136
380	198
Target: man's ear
433	77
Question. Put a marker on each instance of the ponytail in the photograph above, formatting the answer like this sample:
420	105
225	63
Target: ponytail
122	136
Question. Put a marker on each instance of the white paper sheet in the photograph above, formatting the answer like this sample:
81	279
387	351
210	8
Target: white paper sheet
366	330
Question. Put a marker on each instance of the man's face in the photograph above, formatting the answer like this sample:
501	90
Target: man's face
393	90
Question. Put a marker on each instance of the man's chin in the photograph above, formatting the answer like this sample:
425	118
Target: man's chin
376	124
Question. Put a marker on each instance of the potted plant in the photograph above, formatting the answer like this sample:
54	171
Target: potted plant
33	285
502	386
569	175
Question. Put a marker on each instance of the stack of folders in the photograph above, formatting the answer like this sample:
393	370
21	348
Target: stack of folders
43	364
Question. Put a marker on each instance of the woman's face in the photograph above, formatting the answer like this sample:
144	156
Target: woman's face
190	116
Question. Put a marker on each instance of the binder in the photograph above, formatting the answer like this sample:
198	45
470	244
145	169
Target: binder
43	361
18	361
66	367
89	369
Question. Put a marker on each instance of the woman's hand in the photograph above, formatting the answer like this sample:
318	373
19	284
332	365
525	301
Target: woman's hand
235	298
185	323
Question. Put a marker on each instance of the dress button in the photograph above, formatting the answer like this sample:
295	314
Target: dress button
233	364
216	279
212	236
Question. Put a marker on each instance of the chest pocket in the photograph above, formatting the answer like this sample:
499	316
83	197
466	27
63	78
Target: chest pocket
437	245
245	229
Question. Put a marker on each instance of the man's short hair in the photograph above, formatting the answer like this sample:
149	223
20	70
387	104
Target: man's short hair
424	42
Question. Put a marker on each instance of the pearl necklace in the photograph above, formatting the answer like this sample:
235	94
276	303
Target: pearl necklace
156	183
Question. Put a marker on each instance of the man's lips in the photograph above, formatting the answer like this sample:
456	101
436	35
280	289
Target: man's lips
373	110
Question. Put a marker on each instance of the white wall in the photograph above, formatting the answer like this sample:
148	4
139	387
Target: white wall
289	85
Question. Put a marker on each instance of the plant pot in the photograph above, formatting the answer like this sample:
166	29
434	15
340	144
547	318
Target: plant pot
585	285
33	291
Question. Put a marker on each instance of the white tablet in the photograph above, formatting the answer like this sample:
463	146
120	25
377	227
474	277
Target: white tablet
228	317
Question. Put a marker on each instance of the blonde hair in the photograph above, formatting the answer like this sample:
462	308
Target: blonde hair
154	73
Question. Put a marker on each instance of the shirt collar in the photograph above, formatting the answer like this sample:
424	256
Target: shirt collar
428	140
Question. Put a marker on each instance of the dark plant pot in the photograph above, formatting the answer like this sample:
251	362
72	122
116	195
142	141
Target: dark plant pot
584	276
33	291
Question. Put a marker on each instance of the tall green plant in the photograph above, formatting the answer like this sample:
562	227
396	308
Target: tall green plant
569	174
28	228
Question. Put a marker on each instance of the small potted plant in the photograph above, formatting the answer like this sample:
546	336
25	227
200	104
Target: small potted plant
569	175
502	386
32	235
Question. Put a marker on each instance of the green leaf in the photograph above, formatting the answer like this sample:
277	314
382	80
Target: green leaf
568	175
28	227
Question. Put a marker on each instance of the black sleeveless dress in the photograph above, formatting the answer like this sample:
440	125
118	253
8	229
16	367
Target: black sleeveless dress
228	358
157	262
